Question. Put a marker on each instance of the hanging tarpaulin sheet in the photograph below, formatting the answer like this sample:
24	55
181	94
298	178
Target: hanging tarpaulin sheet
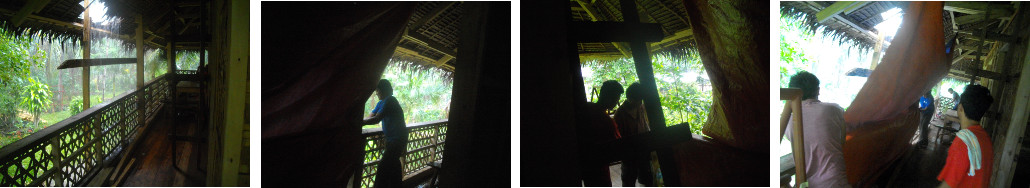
915	62
322	61
882	119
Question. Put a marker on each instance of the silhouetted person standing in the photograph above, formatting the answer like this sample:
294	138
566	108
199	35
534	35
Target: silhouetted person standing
631	119
389	111
927	109
954	97
600	128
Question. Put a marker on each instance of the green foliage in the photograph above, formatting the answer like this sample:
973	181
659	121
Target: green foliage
75	106
17	56
683	86
423	92
36	99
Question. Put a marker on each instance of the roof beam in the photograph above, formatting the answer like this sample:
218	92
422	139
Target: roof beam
587	7
29	8
615	31
432	15
962	20
838	7
991	36
72	63
975	7
815	6
422	39
679	35
441	63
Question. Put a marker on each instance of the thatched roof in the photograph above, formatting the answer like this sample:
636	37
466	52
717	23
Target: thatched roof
432	35
60	19
964	21
670	14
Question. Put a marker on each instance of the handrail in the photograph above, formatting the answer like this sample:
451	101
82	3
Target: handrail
425	145
66	153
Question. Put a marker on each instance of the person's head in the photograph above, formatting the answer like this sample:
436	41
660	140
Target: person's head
951	90
384	89
928	95
973	104
808	84
634	92
611	91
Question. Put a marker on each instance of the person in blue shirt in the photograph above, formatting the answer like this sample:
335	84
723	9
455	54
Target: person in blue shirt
389	111
927	109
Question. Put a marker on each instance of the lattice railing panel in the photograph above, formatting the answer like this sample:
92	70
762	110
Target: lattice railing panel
425	144
185	72
67	152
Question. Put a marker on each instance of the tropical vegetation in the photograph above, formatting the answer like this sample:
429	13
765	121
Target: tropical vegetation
424	92
34	94
683	84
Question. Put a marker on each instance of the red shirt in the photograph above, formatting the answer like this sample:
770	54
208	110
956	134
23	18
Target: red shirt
956	170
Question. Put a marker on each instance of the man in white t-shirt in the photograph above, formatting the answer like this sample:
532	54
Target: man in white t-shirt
824	134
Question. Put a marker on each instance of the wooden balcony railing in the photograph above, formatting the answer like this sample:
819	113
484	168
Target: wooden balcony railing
69	152
187	75
425	145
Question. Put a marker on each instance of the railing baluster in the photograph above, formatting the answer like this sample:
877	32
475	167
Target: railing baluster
55	158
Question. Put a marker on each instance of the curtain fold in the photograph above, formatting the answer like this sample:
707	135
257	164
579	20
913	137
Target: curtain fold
322	60
882	119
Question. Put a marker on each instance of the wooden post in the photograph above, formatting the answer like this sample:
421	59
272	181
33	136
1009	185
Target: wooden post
645	73
86	24
141	95
55	157
236	86
1004	172
877	51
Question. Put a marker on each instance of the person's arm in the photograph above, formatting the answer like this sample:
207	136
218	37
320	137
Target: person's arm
373	119
377	114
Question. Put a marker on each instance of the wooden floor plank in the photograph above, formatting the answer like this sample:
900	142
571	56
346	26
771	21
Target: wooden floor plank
155	156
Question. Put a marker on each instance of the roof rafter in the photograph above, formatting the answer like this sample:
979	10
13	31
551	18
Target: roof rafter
432	14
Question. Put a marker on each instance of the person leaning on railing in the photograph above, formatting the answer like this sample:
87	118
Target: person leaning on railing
389	111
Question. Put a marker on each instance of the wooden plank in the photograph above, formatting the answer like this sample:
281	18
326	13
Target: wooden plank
663	138
101	177
679	35
605	31
424	40
834	9
976	7
236	71
125	171
993	36
73	63
1006	158
645	74
589	9
815	6
962	20
30	7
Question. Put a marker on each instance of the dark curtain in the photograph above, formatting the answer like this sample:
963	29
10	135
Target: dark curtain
321	63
